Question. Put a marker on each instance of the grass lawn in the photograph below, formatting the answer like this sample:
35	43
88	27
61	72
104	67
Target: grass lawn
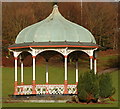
56	105
56	75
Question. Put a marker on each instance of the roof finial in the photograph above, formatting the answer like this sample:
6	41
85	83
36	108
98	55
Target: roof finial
55	2
55	6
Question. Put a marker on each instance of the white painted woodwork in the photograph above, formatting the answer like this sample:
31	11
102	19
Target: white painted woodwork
21	71
91	64
76	71
65	67
33	68
15	68
46	72
95	67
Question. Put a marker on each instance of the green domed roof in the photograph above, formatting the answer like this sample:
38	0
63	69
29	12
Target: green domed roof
55	28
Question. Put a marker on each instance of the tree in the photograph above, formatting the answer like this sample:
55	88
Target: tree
91	87
99	18
105	86
16	16
88	87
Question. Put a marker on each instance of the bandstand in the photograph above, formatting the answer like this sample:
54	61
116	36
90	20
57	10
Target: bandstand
55	33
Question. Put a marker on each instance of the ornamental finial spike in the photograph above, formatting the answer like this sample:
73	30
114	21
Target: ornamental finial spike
55	6
55	9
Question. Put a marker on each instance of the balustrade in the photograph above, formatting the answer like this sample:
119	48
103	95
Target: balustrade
46	89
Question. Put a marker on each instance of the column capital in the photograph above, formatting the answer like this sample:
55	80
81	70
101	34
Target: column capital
33	56
15	58
91	57
65	56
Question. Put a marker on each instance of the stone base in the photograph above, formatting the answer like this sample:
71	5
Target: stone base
40	98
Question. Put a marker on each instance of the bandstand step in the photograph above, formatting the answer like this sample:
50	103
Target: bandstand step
40	98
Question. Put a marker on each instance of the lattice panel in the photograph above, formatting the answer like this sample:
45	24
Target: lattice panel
41	89
72	89
19	89
25	89
50	89
46	89
56	89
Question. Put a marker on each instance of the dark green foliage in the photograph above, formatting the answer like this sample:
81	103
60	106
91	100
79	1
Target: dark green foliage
105	86
82	95
92	86
88	86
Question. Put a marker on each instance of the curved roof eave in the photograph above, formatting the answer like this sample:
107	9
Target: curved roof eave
53	45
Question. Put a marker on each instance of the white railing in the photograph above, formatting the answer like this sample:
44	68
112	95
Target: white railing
72	89
49	89
46	89
24	89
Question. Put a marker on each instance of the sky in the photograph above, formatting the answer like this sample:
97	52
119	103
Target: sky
60	0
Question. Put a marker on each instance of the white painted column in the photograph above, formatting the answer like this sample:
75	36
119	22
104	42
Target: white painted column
15	69
65	82
33	82
15	83
95	67
46	71
22	73
91	62
76	71
33	68
47	92
65	68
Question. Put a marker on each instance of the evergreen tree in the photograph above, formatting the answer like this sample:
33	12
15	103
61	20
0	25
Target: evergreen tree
91	87
105	86
88	86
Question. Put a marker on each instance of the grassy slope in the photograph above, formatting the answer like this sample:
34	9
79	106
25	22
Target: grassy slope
56	75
